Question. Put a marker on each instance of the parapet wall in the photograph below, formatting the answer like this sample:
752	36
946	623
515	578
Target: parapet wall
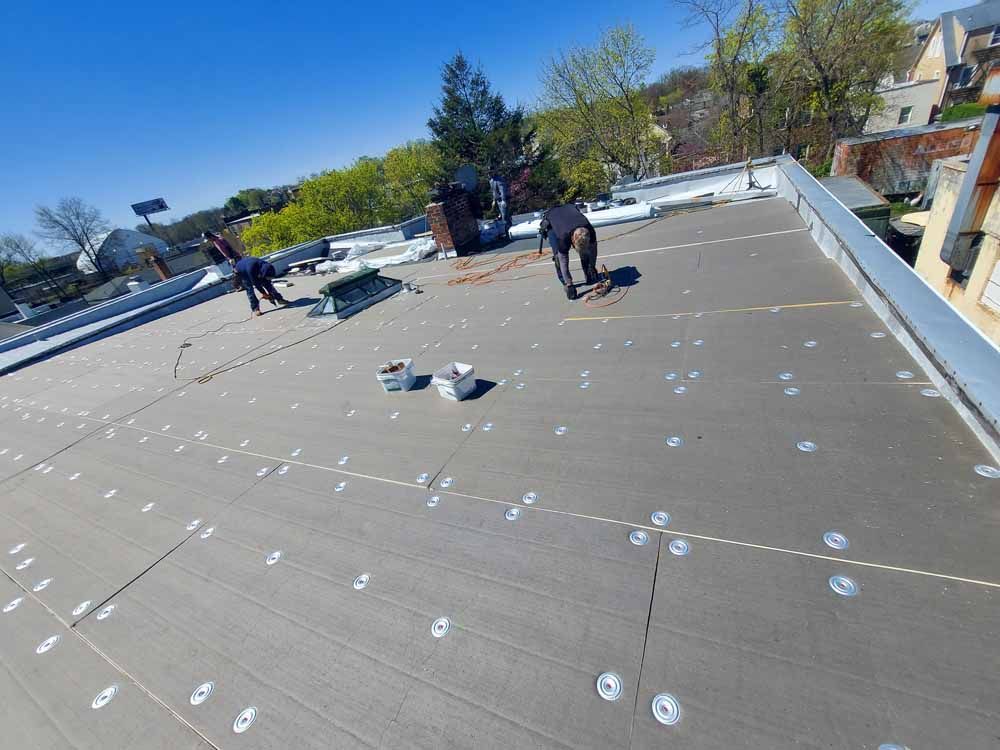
964	364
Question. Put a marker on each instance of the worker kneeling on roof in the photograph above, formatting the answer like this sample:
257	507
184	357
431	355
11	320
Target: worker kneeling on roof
566	227
253	272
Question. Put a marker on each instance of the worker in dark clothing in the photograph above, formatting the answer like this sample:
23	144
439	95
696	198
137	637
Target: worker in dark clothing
501	199
256	273
223	246
566	227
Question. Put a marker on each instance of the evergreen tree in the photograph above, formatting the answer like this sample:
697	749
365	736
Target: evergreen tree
472	124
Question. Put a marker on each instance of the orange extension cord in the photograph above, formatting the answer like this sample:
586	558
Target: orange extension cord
488	276
478	278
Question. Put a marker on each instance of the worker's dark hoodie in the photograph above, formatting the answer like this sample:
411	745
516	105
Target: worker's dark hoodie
560	222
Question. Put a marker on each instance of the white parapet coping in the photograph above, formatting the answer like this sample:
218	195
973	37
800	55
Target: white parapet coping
962	362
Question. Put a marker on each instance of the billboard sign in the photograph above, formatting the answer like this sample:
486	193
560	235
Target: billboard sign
150	207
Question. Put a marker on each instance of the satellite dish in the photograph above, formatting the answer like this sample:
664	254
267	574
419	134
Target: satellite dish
467	176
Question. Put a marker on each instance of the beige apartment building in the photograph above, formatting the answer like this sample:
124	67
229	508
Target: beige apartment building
958	53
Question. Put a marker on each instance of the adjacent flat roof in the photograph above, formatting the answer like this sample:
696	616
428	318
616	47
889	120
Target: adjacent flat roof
853	192
731	490
934	127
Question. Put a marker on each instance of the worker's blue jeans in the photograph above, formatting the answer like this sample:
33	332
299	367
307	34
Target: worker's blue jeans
263	285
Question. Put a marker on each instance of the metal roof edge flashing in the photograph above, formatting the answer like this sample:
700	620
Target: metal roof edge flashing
678	177
961	361
95	313
109	326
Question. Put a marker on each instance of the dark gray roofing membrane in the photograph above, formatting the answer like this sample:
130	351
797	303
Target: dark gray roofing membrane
726	511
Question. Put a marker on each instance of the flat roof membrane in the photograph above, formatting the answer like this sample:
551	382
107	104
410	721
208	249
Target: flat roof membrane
729	510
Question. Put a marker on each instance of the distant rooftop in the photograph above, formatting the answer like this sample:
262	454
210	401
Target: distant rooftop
968	19
934	127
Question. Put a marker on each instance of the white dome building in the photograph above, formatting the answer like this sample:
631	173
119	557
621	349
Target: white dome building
118	250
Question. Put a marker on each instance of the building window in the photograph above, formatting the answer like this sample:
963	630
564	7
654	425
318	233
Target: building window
904	115
995	39
937	74
936	46
965	77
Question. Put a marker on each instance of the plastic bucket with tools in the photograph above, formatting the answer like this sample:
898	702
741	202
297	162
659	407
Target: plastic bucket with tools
396	375
455	381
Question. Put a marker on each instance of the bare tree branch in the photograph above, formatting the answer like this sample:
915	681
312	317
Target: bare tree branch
21	247
78	226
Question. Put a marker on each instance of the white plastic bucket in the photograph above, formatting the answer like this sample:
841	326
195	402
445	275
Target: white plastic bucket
452	387
400	380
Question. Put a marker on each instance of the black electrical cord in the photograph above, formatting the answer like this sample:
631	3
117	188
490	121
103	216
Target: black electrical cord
206	377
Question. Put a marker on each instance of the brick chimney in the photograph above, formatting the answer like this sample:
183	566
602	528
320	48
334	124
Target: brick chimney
152	258
452	223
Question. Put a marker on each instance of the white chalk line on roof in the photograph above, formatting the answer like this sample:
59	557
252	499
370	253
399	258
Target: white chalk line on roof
507	503
691	244
760	308
500	256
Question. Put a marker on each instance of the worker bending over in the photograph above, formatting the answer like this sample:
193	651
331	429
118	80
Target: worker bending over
256	273
566	227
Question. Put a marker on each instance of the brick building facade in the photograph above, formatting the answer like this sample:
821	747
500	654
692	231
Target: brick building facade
898	161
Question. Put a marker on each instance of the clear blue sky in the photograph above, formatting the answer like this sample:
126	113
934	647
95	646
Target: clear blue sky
119	102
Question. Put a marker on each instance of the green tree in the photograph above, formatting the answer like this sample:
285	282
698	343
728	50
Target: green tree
472	124
962	112
334	202
248	199
540	186
593	105
740	38
843	49
353	198
410	172
586	178
295	223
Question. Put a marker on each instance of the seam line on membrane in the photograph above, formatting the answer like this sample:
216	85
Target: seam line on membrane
112	663
657	529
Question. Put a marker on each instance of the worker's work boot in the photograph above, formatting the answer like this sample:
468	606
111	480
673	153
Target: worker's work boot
279	300
570	291
257	313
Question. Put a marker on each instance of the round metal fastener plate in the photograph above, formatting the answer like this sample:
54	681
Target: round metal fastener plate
659	518
104	697
201	693
245	718
638	537
843	585
609	686
666	709
440	627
